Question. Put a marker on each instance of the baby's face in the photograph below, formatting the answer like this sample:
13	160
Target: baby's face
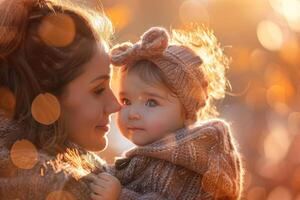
148	112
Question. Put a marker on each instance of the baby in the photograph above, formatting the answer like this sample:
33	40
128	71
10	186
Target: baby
166	91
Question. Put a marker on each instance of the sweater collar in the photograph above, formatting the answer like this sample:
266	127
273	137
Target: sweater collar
187	147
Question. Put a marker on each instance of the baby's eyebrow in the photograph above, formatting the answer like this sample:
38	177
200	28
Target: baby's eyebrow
151	94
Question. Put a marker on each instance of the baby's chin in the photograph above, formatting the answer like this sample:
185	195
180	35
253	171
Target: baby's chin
138	140
143	137
143	142
140	144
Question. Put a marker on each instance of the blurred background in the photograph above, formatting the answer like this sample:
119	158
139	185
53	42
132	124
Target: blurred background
262	39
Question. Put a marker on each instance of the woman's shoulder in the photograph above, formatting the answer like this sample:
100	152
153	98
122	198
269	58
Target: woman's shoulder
38	179
29	173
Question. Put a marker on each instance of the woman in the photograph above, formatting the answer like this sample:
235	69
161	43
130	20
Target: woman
55	95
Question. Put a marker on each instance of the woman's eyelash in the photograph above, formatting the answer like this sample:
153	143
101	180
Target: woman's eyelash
99	91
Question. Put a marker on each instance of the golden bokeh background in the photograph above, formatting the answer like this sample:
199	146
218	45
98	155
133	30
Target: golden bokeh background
262	38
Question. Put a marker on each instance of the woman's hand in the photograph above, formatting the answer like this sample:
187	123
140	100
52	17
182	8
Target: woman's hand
105	187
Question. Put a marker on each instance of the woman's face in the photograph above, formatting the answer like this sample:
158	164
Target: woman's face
87	103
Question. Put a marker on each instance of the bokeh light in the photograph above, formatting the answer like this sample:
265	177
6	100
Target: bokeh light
290	10
276	94
276	144
57	30
277	5
290	51
45	109
269	35
24	154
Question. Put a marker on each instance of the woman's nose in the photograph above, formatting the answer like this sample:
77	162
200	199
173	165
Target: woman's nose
112	104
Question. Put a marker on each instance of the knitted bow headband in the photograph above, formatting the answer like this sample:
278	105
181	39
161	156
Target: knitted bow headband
152	43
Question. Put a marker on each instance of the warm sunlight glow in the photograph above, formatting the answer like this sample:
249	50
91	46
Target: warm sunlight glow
276	144
193	11
120	15
269	35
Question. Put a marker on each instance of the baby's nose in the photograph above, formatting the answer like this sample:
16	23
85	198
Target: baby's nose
134	115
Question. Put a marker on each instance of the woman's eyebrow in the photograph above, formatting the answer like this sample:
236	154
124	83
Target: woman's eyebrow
101	77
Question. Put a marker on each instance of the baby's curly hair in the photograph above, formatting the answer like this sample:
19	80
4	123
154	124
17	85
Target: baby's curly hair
215	63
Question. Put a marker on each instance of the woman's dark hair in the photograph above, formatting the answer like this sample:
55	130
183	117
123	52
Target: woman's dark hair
43	46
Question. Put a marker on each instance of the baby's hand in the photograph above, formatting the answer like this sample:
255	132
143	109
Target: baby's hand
105	187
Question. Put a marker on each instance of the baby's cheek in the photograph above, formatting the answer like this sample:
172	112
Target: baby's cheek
122	121
157	125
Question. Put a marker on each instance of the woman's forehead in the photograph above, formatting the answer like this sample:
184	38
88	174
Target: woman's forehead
98	65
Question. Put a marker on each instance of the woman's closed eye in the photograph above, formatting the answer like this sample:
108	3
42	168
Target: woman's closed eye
99	90
100	87
151	103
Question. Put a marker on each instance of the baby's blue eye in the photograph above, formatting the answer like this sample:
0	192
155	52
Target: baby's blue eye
151	103
125	101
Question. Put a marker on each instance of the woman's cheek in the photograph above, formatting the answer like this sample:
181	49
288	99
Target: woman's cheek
93	109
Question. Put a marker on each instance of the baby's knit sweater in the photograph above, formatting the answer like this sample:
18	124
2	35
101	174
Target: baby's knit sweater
196	163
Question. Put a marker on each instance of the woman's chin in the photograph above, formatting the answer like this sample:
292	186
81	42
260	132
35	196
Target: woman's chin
98	145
